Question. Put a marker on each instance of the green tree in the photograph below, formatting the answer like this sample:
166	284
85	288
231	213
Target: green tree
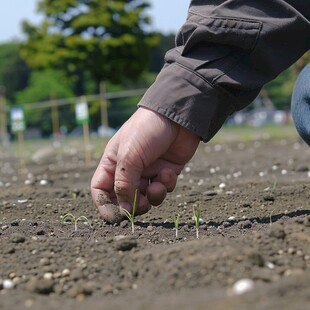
43	85
108	39
14	72
166	42
280	90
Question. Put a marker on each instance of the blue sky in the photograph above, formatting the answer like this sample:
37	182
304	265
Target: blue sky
167	15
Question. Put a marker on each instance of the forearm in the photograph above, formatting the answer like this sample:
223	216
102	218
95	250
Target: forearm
224	54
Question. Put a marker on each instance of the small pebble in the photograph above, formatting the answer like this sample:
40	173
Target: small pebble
65	272
150	228
119	237
8	284
210	193
226	224
48	276
244	224
125	244
124	224
222	185
17	238
268	197
41	232
43	182
21	201
243	286
40	286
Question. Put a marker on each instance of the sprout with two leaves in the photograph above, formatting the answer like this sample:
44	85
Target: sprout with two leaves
74	219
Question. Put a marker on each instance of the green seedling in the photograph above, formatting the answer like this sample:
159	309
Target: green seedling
274	185
176	225
131	216
74	219
197	213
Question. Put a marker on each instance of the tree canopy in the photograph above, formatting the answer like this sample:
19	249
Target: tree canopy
14	72
107	38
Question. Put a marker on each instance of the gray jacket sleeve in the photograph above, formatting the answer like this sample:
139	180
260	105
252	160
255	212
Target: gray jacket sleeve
225	52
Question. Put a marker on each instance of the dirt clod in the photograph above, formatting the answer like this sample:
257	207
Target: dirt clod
244	224
17	238
40	286
126	244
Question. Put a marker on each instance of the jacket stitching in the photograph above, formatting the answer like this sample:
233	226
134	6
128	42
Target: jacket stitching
215	87
250	21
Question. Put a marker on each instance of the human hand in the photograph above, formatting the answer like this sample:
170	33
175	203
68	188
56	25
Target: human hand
147	153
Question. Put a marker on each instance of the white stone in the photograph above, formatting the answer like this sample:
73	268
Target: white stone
65	272
22	200
8	284
212	170
28	182
222	185
48	276
243	286
43	182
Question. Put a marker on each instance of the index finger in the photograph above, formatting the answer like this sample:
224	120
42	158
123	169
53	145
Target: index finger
102	185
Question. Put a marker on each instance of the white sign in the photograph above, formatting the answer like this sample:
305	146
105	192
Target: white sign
17	119
81	112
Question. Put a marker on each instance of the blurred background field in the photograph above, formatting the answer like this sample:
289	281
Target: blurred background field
37	150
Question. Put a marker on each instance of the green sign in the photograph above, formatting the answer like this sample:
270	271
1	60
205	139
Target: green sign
17	119
81	113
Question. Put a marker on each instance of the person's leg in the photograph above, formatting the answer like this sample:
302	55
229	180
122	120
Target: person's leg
301	104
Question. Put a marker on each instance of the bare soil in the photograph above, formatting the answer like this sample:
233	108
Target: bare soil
254	200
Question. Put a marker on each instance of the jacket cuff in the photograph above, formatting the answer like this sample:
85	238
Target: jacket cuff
188	99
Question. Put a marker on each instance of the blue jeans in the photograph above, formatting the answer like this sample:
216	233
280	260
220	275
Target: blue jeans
300	106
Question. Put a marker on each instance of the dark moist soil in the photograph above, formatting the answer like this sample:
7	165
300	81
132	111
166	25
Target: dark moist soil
254	200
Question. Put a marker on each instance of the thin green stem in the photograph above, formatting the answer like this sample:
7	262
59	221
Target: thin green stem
131	216
176	224
197	213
